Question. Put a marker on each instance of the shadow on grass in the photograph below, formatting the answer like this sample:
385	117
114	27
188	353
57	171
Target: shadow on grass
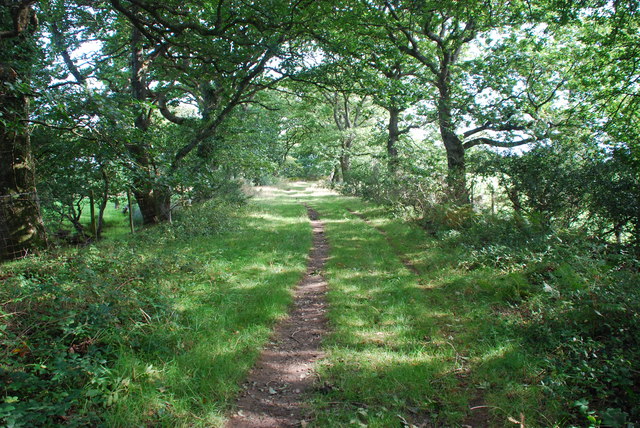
423	348
225	293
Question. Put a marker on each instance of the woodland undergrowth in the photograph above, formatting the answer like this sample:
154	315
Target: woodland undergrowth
567	303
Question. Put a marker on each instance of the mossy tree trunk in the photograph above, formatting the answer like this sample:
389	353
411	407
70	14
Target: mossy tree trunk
21	227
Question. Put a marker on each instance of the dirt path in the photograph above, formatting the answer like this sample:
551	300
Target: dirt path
275	390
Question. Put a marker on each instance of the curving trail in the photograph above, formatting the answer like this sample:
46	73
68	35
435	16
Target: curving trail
276	389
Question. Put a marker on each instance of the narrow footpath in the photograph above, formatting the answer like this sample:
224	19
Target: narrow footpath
277	388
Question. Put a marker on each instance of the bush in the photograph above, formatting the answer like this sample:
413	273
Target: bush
64	317
576	304
208	218
410	191
590	337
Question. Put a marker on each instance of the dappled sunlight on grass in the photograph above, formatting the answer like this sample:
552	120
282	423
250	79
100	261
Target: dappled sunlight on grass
276	219
469	326
292	189
386	349
426	345
420	331
227	292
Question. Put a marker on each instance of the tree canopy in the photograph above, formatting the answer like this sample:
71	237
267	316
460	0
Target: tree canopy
154	96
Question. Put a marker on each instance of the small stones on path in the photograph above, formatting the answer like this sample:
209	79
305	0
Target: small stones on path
275	390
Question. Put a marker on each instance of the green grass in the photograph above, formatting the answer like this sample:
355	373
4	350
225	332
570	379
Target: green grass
116	223
389	359
160	328
475	326
173	317
233	289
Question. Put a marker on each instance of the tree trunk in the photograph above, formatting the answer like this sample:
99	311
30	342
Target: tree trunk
345	157
21	227
636	233
153	198
103	202
335	175
345	164
73	215
154	203
393	137
514	197
456	173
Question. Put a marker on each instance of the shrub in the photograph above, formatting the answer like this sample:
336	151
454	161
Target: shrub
64	317
410	190
589	333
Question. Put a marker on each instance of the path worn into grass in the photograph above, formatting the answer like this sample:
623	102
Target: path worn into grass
276	389
478	415
405	261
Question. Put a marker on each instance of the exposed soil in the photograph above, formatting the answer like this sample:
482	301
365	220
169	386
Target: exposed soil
478	416
277	388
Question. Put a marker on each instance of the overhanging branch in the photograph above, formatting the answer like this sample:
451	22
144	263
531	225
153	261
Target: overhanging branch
496	143
488	126
168	114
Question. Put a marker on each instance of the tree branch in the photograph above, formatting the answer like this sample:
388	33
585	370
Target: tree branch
22	15
64	52
240	90
489	127
168	114
495	143
407	129
65	83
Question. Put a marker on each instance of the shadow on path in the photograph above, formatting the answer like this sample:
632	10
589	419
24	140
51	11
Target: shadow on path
277	388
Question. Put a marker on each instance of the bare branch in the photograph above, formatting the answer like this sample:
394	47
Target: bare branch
407	129
65	83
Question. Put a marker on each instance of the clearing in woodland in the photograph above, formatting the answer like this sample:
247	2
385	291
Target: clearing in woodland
305	308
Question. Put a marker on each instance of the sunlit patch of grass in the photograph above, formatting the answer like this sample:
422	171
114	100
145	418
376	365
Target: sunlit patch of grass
218	297
483	357
385	356
423	346
225	306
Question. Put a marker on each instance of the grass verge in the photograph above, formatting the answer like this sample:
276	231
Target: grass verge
499	325
157	329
